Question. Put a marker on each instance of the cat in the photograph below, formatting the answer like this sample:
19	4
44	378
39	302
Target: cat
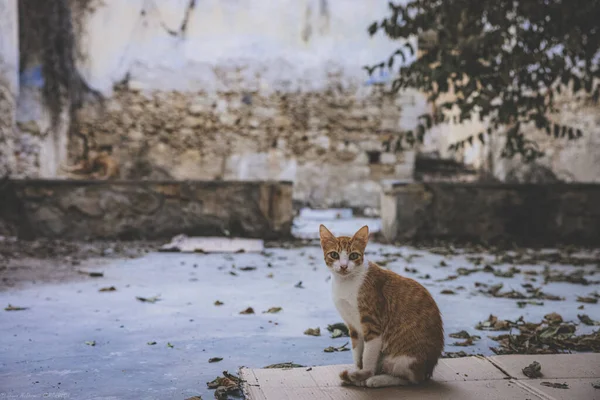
394	324
98	165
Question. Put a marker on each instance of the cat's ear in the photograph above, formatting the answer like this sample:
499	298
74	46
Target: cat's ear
327	238
361	237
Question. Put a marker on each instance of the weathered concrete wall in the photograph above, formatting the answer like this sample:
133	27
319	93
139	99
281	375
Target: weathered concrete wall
9	83
528	214
150	210
247	90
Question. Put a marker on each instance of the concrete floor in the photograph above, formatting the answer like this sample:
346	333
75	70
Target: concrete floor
43	350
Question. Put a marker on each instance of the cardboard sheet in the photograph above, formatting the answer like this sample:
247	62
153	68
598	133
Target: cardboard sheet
469	378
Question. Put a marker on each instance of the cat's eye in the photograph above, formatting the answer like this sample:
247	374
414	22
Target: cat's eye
354	256
334	255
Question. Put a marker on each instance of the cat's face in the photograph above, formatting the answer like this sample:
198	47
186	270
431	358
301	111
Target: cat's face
344	255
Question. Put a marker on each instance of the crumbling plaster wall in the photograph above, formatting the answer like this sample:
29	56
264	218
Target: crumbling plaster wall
247	90
564	160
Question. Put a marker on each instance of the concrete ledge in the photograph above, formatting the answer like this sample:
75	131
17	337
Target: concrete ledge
470	378
69	209
526	214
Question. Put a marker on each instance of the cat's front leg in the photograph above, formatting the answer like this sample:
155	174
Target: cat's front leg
358	345
371	353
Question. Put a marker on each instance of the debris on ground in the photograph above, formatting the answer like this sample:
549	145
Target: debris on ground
194	398
285	365
153	299
313	332
493	324
533	370
247	268
585	319
225	385
469	339
522	304
455	354
338	326
557	276
550	336
447	291
108	289
169	345
92	274
151	343
587	299
533	293
555	385
91	342
215	359
10	307
247	311
186	244
218	303
411	270
332	349
273	310
299	285
466	342
596	385
467	271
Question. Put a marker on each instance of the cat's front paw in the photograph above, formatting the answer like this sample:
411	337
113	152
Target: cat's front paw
355	377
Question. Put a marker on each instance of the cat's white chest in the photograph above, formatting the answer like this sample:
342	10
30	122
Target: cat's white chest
345	298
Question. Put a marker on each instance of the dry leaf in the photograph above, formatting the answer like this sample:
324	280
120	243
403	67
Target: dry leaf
170	345
247	268
148	299
215	359
555	385
218	303
588	299
10	307
247	311
332	349
447	291
91	343
284	365
151	343
273	310
92	274
108	289
533	370
313	332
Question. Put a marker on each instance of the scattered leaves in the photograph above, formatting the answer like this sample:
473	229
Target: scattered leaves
148	299
553	318
555	385
533	370
218	303
493	324
285	365
108	289
273	310
215	359
466	342
332	349
573	277
247	311
10	307
313	332
91	342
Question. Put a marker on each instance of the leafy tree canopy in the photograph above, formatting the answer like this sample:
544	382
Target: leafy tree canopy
504	60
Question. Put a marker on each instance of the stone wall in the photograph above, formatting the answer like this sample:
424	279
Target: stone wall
527	214
146	210
330	143
9	83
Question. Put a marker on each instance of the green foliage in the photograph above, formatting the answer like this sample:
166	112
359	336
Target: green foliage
503	60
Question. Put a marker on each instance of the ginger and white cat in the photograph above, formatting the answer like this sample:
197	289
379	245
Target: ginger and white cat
394	323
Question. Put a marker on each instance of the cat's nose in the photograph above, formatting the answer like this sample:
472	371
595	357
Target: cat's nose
343	267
